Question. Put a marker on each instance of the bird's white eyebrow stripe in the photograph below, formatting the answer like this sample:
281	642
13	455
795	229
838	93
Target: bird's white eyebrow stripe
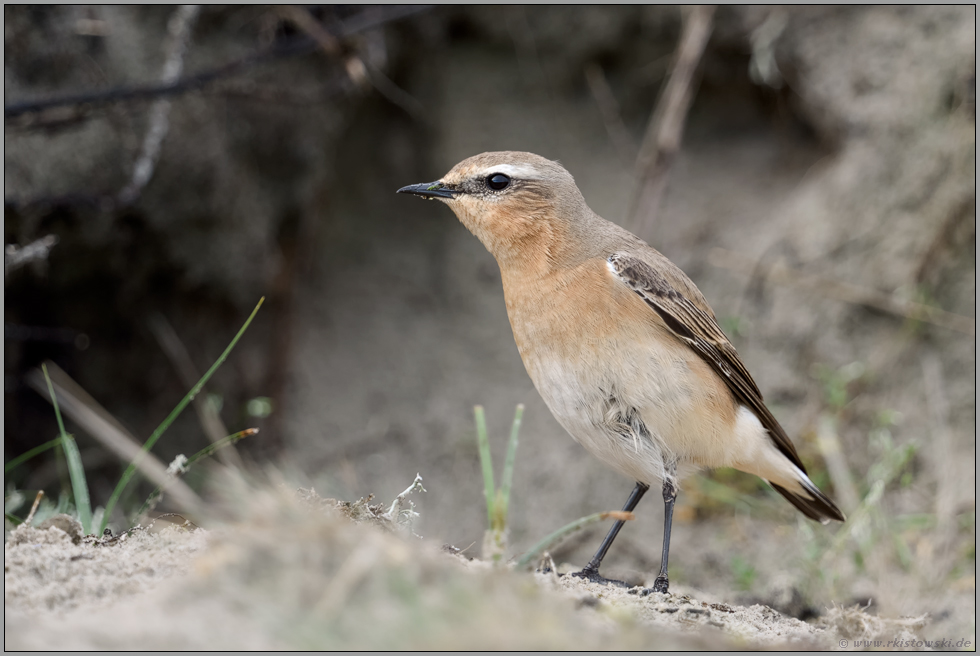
515	171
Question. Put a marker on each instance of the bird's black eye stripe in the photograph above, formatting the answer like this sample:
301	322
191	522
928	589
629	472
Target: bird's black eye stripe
497	181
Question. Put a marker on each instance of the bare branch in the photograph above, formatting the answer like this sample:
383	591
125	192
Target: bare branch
282	95
662	140
313	28
179	30
84	102
15	257
69	109
609	109
359	70
295	47
395	94
763	68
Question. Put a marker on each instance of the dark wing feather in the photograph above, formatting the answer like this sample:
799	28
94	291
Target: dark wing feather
699	330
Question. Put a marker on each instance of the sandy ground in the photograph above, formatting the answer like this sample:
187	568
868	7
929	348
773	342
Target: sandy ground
282	572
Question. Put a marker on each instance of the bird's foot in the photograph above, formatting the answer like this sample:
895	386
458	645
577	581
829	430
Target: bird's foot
593	575
660	584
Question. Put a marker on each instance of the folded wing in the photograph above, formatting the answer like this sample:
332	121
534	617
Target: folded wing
697	327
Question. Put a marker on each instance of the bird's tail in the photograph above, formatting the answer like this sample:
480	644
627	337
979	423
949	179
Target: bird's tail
814	504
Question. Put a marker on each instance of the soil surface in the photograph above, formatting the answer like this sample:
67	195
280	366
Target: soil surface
289	573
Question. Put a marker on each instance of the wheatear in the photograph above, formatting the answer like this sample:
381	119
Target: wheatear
621	345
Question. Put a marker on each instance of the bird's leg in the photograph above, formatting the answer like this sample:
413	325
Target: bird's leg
661	583
591	571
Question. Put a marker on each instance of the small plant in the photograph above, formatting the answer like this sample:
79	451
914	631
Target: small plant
131	470
745	574
181	465
76	471
870	529
498	499
557	536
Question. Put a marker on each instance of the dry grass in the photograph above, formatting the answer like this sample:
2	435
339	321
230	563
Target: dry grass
281	569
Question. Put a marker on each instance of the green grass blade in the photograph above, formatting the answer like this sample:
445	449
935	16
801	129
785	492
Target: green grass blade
54	401
206	452
27	455
131	469
551	539
484	443
508	474
78	483
76	471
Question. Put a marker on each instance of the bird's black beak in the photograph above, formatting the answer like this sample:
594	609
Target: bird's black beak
429	190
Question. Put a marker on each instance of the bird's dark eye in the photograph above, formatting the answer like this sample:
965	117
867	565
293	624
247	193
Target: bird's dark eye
498	181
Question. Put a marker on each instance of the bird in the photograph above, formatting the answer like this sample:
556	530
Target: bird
621	345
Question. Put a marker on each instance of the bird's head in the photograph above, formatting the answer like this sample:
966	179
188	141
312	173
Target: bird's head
512	201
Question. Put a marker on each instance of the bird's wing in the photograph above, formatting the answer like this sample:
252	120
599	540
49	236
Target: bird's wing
696	327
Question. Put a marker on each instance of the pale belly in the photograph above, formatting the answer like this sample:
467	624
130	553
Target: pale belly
628	391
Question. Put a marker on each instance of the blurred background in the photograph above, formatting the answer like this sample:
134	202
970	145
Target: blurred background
166	167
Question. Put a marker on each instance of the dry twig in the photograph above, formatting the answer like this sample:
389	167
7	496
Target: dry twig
179	30
84	102
15	257
940	451
97	422
69	109
931	259
360	71
663	136
310	26
605	100
34	506
210	420
833	455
